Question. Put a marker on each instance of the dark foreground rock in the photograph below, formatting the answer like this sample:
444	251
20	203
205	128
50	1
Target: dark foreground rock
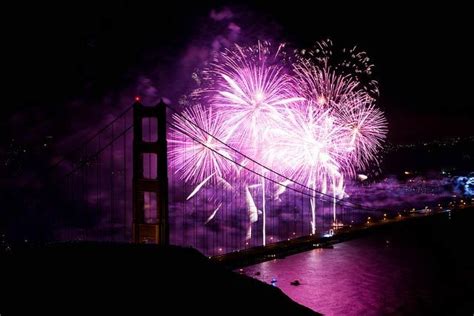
96	278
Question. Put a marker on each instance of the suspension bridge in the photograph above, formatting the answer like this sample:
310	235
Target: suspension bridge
119	186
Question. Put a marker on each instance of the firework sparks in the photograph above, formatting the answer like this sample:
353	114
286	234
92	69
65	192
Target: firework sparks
311	150
196	152
340	82
250	86
366	127
337	71
311	123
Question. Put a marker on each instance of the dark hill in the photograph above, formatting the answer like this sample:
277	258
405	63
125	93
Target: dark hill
92	278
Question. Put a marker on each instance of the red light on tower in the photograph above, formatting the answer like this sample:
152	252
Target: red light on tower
137	99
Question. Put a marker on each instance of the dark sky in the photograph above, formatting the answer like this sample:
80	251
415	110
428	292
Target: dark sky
69	67
83	50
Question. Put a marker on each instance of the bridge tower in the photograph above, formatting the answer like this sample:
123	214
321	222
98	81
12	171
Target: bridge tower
154	229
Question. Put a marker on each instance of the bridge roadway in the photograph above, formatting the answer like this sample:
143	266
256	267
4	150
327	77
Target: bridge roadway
246	257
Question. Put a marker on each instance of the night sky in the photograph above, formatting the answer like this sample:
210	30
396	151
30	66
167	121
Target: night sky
70	67
67	65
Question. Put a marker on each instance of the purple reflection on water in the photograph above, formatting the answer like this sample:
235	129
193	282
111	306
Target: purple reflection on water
355	278
402	271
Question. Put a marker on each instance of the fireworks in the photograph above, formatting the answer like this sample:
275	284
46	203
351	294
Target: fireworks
366	127
311	149
337	71
309	122
195	150
340	82
251	87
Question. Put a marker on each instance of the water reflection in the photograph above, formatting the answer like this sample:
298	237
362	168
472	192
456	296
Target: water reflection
403	270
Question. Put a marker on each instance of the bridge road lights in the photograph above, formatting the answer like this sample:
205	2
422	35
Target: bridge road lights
154	229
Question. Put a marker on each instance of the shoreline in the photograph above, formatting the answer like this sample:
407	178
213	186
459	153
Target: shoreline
282	249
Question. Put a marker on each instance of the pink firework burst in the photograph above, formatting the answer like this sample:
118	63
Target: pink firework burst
324	86
332	80
195	150
250	86
311	123
311	151
366	127
351	64
310	147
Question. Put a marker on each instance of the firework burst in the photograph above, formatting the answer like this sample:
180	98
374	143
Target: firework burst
196	153
250	86
339	81
366	127
310	123
350	63
311	150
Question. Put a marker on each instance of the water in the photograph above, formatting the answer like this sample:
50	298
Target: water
421	267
